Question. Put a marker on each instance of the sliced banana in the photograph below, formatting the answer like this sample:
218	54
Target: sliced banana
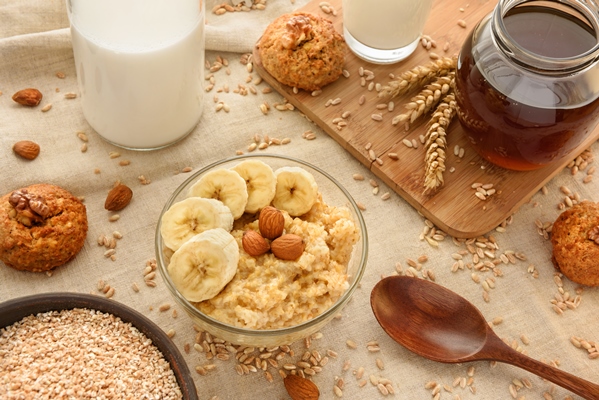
296	190
260	181
203	265
186	218
225	185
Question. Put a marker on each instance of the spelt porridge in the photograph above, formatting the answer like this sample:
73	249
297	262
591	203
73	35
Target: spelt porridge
270	293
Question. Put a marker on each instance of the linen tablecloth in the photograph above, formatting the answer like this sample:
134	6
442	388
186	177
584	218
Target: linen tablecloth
35	45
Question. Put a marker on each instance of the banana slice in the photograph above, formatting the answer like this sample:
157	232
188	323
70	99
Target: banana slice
260	181
203	265
225	185
296	190
186	218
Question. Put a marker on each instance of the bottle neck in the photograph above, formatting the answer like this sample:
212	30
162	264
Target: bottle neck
587	11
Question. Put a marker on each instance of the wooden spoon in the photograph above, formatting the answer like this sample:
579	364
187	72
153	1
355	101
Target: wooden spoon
438	324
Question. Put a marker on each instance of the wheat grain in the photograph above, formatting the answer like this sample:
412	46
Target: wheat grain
338	392
164	307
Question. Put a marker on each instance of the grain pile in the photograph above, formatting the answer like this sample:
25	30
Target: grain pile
81	353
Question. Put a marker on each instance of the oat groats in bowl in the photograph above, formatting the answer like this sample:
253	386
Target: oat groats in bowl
83	346
261	250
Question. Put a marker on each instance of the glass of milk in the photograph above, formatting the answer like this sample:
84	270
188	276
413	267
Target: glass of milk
384	31
140	67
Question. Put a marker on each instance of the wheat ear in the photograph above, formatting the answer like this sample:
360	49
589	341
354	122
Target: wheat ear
425	100
436	143
418	76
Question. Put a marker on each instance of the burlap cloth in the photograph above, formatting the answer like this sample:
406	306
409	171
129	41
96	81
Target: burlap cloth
35	45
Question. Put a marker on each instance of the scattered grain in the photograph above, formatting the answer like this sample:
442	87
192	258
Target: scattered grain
164	307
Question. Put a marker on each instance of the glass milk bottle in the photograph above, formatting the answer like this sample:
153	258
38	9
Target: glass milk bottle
527	83
140	66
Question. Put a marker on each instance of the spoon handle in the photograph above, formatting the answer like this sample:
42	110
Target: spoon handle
502	352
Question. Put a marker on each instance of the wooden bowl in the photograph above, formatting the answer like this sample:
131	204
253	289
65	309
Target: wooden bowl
14	310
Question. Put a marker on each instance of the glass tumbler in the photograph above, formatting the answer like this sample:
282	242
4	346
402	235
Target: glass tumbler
140	66
384	31
527	81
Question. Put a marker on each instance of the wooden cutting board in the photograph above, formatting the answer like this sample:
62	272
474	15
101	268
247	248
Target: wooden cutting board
454	208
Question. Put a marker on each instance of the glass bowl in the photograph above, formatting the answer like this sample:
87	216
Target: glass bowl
333	194
12	311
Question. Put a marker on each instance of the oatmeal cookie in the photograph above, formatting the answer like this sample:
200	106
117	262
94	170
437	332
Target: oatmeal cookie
575	240
42	226
302	50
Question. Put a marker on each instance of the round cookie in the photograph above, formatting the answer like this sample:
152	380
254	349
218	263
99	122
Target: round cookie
42	226
575	240
302	50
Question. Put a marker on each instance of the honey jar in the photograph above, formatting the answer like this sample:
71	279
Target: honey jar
527	81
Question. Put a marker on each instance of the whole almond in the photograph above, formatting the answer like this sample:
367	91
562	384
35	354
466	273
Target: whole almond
28	97
271	222
26	149
254	244
301	388
288	247
118	198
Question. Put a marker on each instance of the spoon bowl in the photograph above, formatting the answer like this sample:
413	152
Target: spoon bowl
454	330
436	323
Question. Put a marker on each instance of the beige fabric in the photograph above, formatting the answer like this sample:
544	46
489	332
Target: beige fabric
35	45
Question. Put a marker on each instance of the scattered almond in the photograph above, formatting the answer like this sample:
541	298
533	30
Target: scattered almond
301	388
118	198
28	97
26	149
254	244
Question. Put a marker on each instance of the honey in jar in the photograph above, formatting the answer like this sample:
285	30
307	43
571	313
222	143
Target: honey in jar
527	82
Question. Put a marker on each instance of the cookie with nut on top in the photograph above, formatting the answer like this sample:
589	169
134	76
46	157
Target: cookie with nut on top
42	226
302	50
